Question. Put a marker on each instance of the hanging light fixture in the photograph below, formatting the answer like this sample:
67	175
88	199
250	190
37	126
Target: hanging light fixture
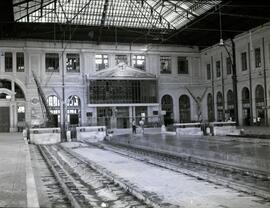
221	42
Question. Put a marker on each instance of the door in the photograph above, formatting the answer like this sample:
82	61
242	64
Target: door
4	119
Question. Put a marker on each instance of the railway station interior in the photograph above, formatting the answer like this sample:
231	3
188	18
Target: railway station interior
135	103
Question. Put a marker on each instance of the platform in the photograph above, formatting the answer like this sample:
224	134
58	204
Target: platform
17	185
240	152
166	186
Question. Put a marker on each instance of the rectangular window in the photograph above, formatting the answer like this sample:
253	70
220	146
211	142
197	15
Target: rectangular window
182	64
244	61
8	62
258	57
52	62
138	61
228	65
218	69
20	61
208	71
102	61
73	62
121	59
165	65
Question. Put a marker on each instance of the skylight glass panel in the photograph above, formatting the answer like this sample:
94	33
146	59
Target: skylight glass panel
148	14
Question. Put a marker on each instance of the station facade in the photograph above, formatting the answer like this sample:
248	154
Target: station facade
111	84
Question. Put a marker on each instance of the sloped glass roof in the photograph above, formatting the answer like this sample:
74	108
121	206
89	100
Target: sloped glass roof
148	14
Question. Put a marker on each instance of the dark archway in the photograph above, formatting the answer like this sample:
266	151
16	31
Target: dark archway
54	106
230	105
210	107
167	105
246	112
259	103
11	91
184	109
74	110
220	110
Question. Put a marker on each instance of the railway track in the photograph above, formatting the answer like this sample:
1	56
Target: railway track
85	186
243	180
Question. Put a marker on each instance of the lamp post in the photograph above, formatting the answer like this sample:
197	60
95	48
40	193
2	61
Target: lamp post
234	76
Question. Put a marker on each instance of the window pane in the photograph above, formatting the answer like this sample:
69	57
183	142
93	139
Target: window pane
20	61
244	61
218	68
138	61
208	71
102	61
228	65
52	62
257	57
121	59
73	63
165	65
8	62
182	65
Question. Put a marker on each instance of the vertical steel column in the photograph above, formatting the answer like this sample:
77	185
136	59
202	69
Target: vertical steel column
213	90
63	109
222	86
234	80
265	85
250	84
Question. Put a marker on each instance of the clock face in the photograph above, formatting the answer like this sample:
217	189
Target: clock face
34	101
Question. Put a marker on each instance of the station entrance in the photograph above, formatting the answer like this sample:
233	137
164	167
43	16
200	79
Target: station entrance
12	106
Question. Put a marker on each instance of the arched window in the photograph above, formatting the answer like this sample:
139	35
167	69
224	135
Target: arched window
167	105
220	114
245	95
184	109
230	100
54	104
74	101
210	107
259	94
246	107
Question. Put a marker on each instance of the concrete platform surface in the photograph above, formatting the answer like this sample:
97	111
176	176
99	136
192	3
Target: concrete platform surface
241	152
17	185
169	186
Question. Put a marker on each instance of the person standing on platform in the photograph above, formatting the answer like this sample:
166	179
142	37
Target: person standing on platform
133	126
142	125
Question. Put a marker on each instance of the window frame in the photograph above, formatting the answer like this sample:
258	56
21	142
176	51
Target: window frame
244	61
55	59
208	72
164	60
103	63
228	65
136	59
184	60
118	61
257	57
75	62
8	62
20	67
218	69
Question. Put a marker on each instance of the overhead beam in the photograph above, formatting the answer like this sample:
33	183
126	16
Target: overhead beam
103	19
183	9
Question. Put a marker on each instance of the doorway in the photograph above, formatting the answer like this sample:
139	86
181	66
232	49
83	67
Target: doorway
4	121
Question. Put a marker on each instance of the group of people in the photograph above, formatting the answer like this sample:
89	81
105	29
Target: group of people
134	126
